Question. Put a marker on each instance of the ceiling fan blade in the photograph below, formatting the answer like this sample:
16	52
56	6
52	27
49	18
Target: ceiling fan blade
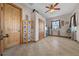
56	4
56	8
47	11
51	6
47	7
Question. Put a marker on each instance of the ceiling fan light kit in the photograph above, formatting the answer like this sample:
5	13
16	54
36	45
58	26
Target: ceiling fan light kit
52	10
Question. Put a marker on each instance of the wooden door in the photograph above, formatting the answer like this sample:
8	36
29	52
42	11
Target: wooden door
41	29
12	17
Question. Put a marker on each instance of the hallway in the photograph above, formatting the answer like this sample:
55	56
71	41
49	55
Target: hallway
50	46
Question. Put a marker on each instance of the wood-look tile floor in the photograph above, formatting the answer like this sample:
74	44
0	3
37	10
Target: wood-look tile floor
50	46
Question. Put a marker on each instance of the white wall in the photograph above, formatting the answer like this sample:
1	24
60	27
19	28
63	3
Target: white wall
77	33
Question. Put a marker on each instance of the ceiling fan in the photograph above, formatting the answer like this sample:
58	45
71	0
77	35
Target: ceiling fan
52	7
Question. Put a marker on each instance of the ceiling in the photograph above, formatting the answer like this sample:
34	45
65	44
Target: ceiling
65	8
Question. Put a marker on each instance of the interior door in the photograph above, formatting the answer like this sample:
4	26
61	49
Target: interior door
1	30
41	29
12	16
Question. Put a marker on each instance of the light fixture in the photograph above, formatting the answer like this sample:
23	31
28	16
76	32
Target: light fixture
52	10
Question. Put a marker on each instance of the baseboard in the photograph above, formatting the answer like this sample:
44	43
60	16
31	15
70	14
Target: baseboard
60	36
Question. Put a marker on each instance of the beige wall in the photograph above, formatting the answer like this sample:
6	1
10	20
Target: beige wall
64	28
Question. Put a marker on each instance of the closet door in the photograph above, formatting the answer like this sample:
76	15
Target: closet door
12	17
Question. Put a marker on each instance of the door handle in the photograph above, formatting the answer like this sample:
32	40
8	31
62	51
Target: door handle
3	36
6	35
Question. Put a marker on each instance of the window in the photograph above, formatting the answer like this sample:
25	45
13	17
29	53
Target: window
55	24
